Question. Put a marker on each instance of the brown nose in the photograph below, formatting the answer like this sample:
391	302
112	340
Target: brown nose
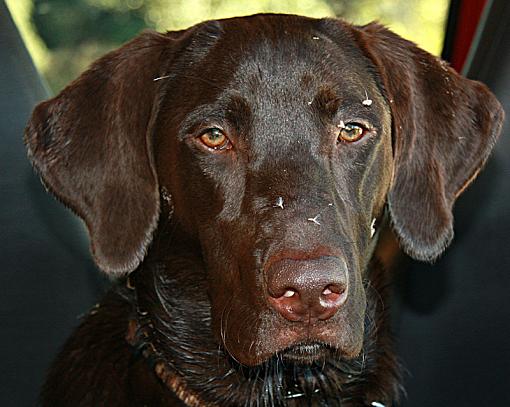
307	290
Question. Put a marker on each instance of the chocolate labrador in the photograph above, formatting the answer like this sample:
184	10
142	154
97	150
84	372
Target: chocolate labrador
233	178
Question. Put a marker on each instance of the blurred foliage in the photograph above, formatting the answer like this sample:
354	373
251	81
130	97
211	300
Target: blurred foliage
64	36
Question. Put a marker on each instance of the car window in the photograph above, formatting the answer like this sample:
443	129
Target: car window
64	37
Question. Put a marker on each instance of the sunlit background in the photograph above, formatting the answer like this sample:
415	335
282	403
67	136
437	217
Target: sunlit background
64	36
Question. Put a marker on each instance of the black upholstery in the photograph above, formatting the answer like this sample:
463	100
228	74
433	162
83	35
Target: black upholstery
453	319
47	276
453	326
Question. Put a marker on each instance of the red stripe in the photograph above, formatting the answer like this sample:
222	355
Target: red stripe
469	16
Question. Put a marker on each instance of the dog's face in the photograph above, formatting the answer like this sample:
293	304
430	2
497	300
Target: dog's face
279	173
280	140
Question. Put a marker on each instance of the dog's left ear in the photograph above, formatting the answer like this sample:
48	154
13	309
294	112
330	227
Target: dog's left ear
444	127
92	146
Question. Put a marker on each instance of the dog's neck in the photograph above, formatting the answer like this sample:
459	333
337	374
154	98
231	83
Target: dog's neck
171	328
140	335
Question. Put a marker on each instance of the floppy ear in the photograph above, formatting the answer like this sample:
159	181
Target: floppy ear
444	127
91	145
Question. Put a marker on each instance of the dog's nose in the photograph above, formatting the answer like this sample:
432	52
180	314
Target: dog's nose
307	290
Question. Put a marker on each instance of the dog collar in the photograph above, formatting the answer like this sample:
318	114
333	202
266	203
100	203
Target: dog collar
140	335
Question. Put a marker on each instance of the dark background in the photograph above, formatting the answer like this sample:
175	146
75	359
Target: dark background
451	320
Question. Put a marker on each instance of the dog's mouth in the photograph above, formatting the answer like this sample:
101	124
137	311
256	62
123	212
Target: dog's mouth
306	373
306	353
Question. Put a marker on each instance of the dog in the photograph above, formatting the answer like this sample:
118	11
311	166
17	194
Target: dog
234	178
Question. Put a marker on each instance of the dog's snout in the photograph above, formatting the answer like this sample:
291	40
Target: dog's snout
307	290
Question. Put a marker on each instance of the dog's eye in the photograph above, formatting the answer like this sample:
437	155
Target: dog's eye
215	138
351	132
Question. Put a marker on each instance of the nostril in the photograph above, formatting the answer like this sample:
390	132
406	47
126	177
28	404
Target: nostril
333	295
282	292
333	289
289	293
327	291
289	304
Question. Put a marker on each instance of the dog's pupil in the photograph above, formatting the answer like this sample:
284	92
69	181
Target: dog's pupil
351	131
215	134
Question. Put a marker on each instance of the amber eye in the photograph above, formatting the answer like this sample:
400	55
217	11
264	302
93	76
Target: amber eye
351	132
215	138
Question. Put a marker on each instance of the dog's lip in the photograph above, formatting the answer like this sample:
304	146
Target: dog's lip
305	347
305	352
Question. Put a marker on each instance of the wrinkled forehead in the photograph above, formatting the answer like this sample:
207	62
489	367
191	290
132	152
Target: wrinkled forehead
273	64
270	54
302	59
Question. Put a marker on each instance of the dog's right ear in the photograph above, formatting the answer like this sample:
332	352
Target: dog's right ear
91	145
444	128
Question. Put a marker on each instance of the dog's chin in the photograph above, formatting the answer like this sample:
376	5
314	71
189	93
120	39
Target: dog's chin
306	353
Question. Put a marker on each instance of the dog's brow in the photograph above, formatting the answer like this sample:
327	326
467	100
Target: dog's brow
230	107
327	99
238	112
198	115
332	100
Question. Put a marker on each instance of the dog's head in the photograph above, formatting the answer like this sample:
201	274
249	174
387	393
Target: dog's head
280	140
